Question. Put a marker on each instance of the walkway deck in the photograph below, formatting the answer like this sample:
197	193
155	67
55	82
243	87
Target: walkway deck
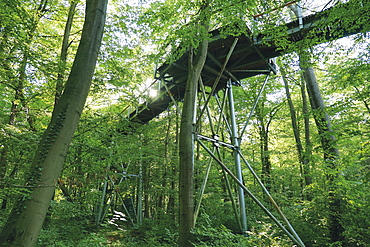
250	57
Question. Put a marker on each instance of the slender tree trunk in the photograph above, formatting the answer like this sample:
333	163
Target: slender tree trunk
171	199
26	219
146	180
293	117
307	135
305	155
186	145
19	85
265	158
303	158
19	93
40	11
64	51
264	122
162	196
5	151
264	149
363	99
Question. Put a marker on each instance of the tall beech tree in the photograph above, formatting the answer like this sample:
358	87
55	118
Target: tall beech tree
328	142
28	214
327	138
186	139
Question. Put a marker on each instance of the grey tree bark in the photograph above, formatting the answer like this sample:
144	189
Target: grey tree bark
307	135
321	117
328	140
25	221
186	144
331	153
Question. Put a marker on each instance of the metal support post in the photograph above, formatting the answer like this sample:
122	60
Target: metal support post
235	142
241	184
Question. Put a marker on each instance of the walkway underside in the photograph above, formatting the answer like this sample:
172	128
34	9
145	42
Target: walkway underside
237	58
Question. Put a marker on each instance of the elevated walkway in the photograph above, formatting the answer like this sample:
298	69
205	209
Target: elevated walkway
244	56
229	60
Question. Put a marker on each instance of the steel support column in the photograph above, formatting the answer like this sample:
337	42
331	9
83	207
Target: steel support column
236	149
217	121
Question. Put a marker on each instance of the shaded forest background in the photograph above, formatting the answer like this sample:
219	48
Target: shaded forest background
119	184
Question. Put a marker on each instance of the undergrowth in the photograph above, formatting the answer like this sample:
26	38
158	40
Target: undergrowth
67	227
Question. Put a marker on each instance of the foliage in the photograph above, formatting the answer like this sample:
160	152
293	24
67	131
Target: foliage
108	149
67	225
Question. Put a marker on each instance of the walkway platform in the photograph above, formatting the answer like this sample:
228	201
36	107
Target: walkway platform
251	56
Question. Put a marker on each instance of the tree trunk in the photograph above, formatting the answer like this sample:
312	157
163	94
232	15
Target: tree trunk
322	120
265	156
171	199
19	96
63	53
303	158
146	188
264	121
186	145
167	159
307	135
331	153
26	219
305	155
